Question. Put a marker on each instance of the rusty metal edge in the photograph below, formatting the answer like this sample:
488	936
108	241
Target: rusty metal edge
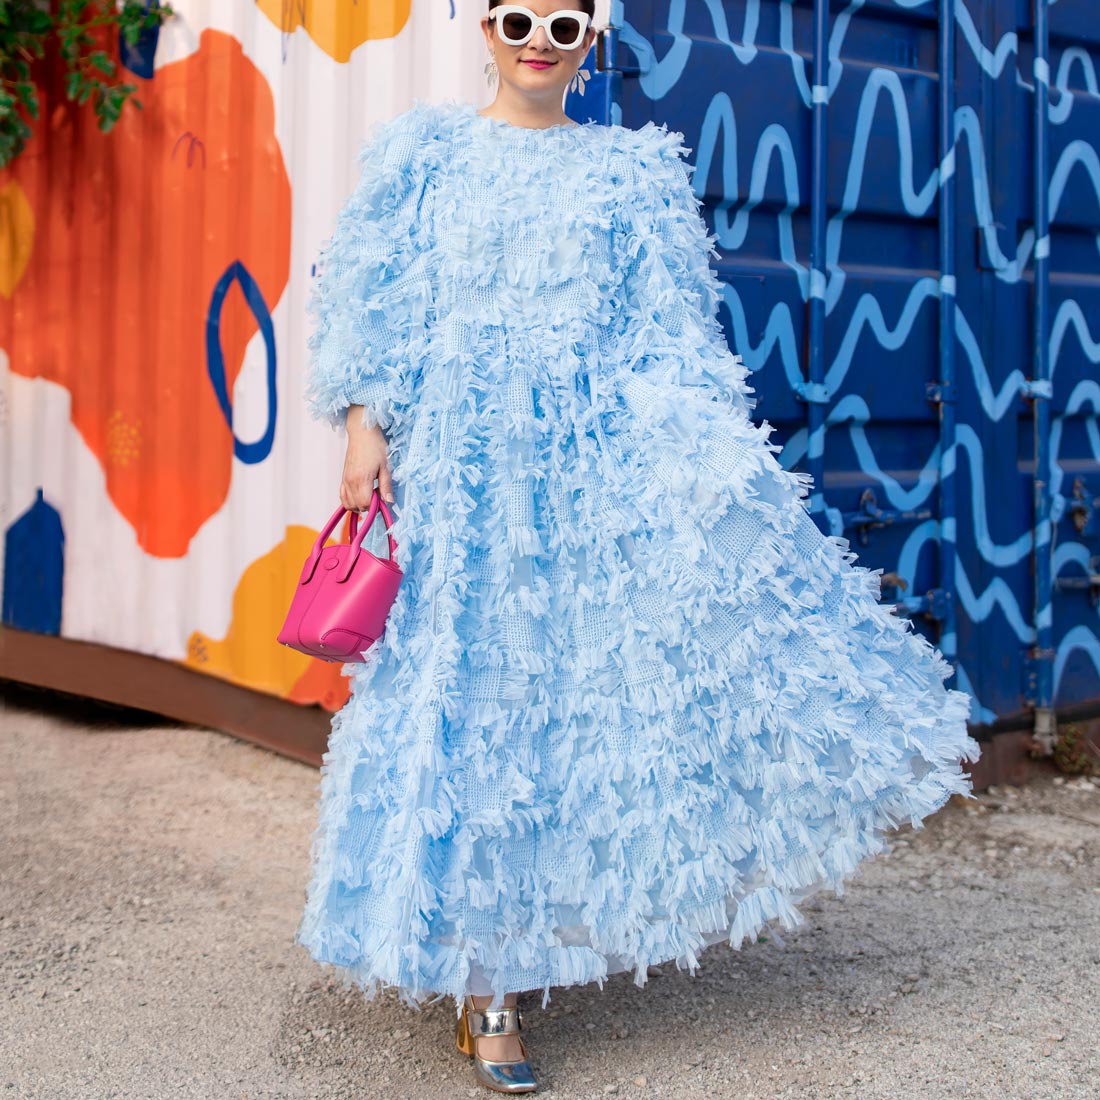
164	687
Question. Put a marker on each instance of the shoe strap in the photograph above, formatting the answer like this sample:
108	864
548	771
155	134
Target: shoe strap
494	1021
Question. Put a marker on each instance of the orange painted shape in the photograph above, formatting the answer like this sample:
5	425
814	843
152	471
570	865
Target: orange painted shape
250	654
318	685
339	26
136	228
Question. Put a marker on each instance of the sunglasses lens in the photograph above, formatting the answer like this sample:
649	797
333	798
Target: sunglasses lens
515	28
565	30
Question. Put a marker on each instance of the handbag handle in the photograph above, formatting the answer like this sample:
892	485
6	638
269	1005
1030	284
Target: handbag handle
357	535
371	512
376	503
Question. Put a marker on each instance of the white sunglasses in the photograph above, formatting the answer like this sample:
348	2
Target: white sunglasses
517	25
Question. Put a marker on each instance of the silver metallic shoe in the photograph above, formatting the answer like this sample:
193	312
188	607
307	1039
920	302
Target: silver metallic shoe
518	1076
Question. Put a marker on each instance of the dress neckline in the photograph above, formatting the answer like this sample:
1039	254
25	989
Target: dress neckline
559	127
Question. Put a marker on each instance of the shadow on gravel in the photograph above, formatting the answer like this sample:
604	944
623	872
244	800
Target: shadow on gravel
95	714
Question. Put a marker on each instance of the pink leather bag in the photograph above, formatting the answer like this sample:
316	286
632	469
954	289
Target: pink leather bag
344	595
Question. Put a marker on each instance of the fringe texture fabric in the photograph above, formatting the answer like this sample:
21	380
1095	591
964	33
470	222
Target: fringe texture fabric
630	701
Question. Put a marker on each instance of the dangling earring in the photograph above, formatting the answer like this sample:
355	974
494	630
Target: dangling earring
491	70
577	84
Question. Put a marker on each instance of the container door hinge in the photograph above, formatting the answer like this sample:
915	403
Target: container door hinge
933	604
1037	389
610	54
814	393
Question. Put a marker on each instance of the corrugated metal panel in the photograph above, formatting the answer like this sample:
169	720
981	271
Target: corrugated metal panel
161	483
922	341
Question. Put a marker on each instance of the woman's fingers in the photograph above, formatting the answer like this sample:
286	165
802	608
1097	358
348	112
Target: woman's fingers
367	461
360	488
385	482
357	488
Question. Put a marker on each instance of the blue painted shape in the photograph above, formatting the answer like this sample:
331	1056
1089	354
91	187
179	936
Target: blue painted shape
258	450
34	569
949	385
138	58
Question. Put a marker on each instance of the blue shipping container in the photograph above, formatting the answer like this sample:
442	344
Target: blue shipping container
912	270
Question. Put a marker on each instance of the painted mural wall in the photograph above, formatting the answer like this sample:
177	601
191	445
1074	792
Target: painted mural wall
160	481
946	401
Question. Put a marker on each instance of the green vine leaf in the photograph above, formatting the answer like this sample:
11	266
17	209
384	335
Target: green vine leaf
66	38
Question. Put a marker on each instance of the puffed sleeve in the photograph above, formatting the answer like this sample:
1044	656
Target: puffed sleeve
372	286
669	291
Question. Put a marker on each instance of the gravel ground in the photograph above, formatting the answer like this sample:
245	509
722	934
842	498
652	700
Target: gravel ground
151	878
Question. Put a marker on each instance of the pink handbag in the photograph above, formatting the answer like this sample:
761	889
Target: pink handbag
344	594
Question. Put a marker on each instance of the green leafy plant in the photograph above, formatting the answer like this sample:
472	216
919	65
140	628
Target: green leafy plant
59	45
1074	754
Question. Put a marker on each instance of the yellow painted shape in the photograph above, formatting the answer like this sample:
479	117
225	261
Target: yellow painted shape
123	439
338	26
16	236
250	654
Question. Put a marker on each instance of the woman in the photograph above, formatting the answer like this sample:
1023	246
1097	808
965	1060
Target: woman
630	701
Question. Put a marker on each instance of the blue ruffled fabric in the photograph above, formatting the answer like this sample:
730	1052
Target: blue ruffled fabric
630	701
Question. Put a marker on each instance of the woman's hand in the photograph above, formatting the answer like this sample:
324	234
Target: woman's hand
367	458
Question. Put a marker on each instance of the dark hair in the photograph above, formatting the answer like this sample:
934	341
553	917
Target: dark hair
587	6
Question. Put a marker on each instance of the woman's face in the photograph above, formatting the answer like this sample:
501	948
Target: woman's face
538	70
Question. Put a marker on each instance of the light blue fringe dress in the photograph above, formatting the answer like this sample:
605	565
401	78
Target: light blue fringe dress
630	701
